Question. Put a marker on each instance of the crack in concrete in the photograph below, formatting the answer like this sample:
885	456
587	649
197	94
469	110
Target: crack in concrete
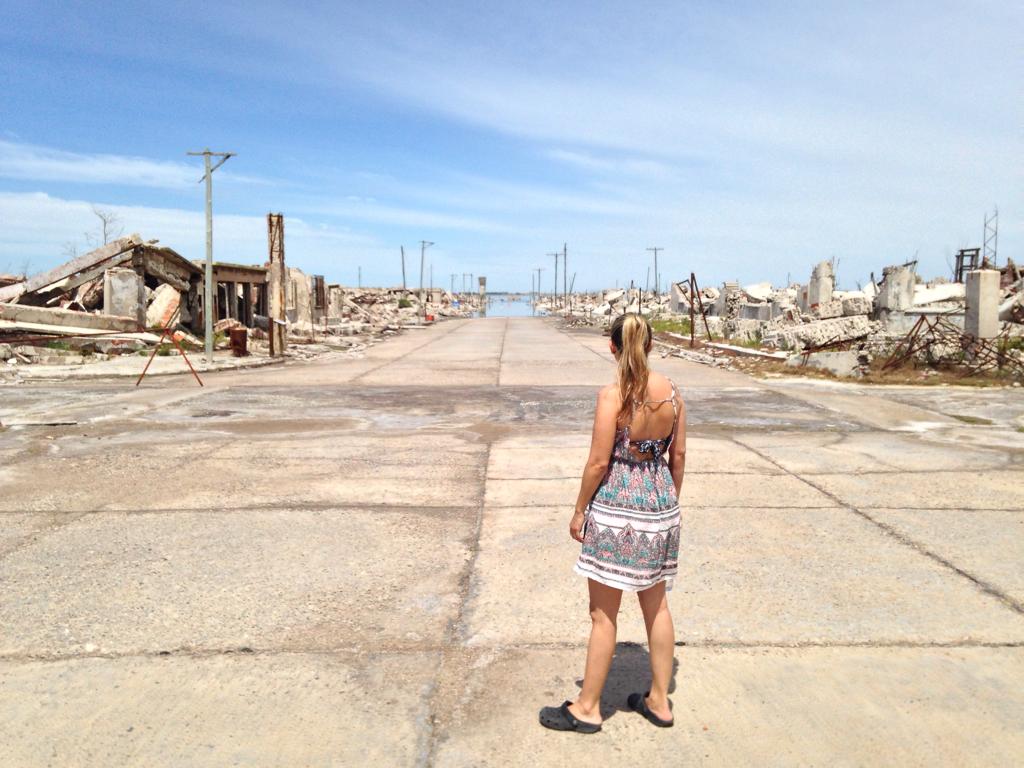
501	354
446	687
984	586
383	649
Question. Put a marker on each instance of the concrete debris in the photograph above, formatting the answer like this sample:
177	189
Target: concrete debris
162	306
101	303
845	364
818	332
815	318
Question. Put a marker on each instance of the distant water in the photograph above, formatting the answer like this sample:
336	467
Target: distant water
500	305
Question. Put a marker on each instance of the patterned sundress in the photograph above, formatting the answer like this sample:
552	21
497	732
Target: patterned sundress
631	538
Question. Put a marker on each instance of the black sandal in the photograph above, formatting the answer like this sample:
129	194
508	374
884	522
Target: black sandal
561	719
637	702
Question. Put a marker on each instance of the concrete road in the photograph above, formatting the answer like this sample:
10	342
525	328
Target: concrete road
367	562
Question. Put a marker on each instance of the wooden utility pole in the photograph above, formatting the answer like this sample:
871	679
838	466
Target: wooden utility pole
208	274
276	300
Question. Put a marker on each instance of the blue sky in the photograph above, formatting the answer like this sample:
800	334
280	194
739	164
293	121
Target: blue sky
749	140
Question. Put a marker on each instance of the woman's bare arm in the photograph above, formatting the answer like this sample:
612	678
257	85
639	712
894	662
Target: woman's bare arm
677	453
601	444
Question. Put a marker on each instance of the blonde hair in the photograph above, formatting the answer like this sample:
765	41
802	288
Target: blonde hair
632	336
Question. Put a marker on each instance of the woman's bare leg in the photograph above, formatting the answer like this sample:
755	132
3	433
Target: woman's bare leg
604	613
661	643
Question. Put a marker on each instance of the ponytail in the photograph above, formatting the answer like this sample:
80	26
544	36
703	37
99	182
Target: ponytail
631	335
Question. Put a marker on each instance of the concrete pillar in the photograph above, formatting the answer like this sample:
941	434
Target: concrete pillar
821	285
231	300
679	301
897	289
247	305
277	283
982	313
124	294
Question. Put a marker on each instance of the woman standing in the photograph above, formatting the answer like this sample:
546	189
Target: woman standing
627	518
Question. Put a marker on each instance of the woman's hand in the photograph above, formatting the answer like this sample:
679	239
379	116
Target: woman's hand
576	526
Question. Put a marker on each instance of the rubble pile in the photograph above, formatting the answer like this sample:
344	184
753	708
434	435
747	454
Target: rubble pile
364	312
820	326
121	298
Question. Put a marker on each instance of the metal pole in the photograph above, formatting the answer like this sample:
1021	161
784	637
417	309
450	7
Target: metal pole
657	277
565	275
208	279
208	271
403	267
693	290
423	251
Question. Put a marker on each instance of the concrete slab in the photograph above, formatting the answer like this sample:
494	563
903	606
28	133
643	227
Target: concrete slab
991	489
381	470
867	452
335	519
764	706
252	710
19	528
987	544
285	579
745	576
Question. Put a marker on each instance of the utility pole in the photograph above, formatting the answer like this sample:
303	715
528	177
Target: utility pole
533	304
454	275
565	274
538	270
424	244
554	292
208	274
657	277
403	267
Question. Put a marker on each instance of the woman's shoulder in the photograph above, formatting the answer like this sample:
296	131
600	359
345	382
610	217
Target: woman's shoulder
609	392
658	382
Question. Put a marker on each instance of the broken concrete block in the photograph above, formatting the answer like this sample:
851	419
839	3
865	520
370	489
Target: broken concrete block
897	289
829	309
982	318
821	285
846	364
124	294
856	305
818	332
6	353
166	299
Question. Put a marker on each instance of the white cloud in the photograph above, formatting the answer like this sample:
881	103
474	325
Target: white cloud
35	163
630	166
37	227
